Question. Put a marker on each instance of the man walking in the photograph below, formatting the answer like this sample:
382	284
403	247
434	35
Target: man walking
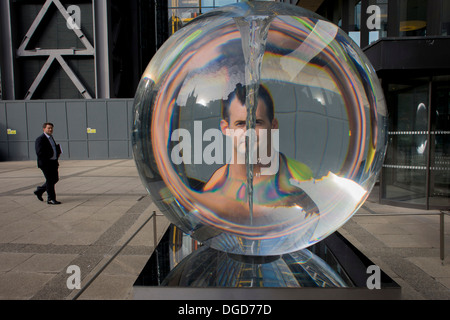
47	152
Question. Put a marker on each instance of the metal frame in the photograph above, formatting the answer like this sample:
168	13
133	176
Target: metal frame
54	55
430	144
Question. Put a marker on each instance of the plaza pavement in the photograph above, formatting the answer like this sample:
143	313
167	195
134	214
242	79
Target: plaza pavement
104	205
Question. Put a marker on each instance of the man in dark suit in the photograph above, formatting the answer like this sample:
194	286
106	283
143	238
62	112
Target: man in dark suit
47	152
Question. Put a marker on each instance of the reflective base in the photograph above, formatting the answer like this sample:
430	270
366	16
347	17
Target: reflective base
330	269
207	267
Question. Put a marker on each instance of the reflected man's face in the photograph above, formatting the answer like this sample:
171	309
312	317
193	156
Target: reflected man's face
237	125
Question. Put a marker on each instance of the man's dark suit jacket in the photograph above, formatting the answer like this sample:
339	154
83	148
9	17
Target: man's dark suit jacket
44	151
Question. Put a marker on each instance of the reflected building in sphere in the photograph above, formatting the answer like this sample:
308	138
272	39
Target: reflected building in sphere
207	267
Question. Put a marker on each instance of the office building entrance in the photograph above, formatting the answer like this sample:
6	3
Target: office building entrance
417	166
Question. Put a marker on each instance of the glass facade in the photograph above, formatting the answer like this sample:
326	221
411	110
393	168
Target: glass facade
445	18
406	159
354	28
416	170
439	194
417	165
380	10
183	11
367	21
413	18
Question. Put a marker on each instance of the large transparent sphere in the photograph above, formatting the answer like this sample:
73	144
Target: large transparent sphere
259	128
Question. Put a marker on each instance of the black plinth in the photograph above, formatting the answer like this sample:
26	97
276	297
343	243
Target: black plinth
181	269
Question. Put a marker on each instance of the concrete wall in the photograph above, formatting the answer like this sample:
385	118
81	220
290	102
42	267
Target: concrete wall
86	129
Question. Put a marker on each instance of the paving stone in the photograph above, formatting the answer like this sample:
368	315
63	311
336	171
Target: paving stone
22	285
110	287
9	260
46	263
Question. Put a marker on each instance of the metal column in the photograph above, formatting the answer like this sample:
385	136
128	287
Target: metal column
102	49
6	52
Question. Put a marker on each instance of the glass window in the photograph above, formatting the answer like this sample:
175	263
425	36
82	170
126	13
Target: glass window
179	17
440	143
355	22
220	3
413	18
379	30
183	11
208	3
405	166
418	154
184	3
445	25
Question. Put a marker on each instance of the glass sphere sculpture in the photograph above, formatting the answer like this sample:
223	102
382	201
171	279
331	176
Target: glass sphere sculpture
259	128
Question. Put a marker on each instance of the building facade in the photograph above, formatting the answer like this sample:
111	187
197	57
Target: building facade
77	63
408	43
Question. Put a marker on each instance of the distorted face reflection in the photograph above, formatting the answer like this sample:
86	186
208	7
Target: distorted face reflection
235	126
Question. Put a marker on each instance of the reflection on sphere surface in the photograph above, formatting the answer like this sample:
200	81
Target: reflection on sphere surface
207	267
259	128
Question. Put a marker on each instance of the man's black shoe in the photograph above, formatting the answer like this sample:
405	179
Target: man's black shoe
53	202
38	195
